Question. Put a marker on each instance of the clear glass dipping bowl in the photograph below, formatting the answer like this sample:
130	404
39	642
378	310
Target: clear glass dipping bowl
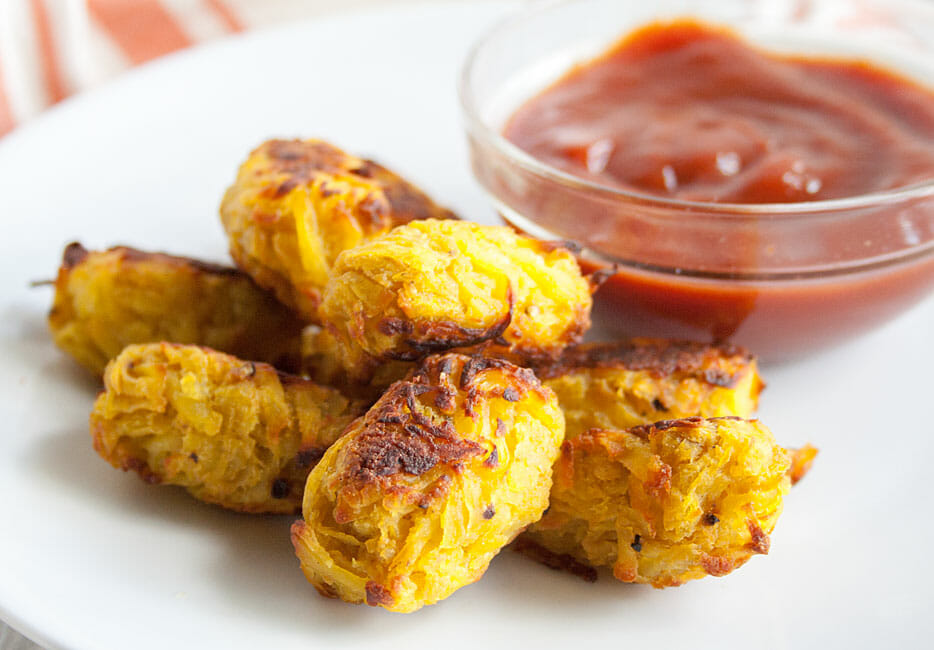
754	274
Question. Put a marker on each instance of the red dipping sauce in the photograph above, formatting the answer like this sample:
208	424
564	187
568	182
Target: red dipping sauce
688	112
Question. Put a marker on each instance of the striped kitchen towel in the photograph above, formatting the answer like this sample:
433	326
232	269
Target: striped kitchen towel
50	49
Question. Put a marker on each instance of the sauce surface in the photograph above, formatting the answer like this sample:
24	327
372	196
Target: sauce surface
688	111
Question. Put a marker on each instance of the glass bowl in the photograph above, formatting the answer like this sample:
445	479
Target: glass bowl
783	279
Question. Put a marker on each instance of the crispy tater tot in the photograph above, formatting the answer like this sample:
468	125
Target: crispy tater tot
668	502
417	497
622	385
234	433
296	204
434	285
106	300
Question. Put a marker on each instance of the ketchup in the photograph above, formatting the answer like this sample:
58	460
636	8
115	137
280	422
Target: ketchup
688	111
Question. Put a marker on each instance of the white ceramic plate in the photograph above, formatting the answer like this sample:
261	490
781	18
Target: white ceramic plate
93	558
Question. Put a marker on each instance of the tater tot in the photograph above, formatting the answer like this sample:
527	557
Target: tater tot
622	385
296	204
234	433
668	502
432	286
106	300
417	497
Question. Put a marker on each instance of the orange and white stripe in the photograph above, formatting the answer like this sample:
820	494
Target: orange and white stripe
50	49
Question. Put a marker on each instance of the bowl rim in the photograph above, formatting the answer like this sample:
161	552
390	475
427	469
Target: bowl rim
478	127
